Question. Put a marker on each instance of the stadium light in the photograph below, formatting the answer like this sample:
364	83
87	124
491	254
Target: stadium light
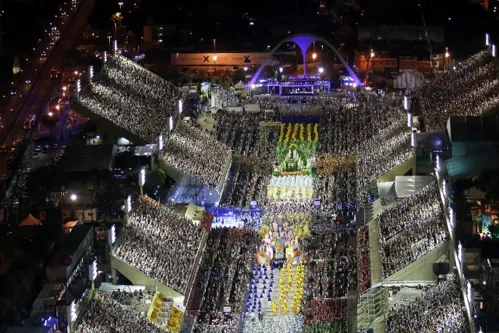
160	142
460	252
170	123
90	72
111	236
72	312
92	270
128	204
180	106
469	292
142	177
487	40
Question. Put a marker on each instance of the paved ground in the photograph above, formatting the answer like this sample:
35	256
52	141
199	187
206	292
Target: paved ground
43	88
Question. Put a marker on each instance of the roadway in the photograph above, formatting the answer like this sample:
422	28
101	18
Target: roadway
43	88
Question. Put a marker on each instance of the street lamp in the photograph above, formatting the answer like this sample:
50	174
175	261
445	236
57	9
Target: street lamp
215	57
372	53
50	114
245	68
120	4
281	69
446	55
73	198
321	70
314	55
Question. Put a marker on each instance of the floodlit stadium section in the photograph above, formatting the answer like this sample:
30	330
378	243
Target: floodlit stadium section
136	101
169	248
185	150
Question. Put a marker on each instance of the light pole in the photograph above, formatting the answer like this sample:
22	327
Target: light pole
73	198
369	56
446	56
214	55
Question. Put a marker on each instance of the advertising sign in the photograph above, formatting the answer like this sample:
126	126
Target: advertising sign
207	59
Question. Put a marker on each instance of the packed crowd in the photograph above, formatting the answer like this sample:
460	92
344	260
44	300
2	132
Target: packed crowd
244	186
131	97
423	230
337	192
332	271
198	155
223	277
160	243
420	206
468	90
242	133
325	311
376	159
364	263
441	309
345	130
105	313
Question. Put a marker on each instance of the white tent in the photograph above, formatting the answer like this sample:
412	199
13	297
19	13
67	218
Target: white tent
240	85
408	80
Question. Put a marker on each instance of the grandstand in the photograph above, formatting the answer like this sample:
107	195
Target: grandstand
470	89
170	249
136	103
186	151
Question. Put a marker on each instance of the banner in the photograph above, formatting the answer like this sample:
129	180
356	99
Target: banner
207	59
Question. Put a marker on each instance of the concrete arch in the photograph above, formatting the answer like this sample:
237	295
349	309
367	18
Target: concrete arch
304	41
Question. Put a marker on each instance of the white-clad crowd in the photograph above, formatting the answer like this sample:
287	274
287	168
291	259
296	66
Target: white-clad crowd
382	153
131	97
440	309
410	230
161	243
468	90
197	154
105	313
424	204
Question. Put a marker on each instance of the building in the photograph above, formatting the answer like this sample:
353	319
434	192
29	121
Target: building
76	247
155	34
381	64
218	61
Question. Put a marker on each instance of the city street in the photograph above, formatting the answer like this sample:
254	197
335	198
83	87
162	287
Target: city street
43	88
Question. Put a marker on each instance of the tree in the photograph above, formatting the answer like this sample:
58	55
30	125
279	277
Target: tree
8	312
488	182
103	187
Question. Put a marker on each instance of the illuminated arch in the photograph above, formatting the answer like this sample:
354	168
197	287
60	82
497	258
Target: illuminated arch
303	41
